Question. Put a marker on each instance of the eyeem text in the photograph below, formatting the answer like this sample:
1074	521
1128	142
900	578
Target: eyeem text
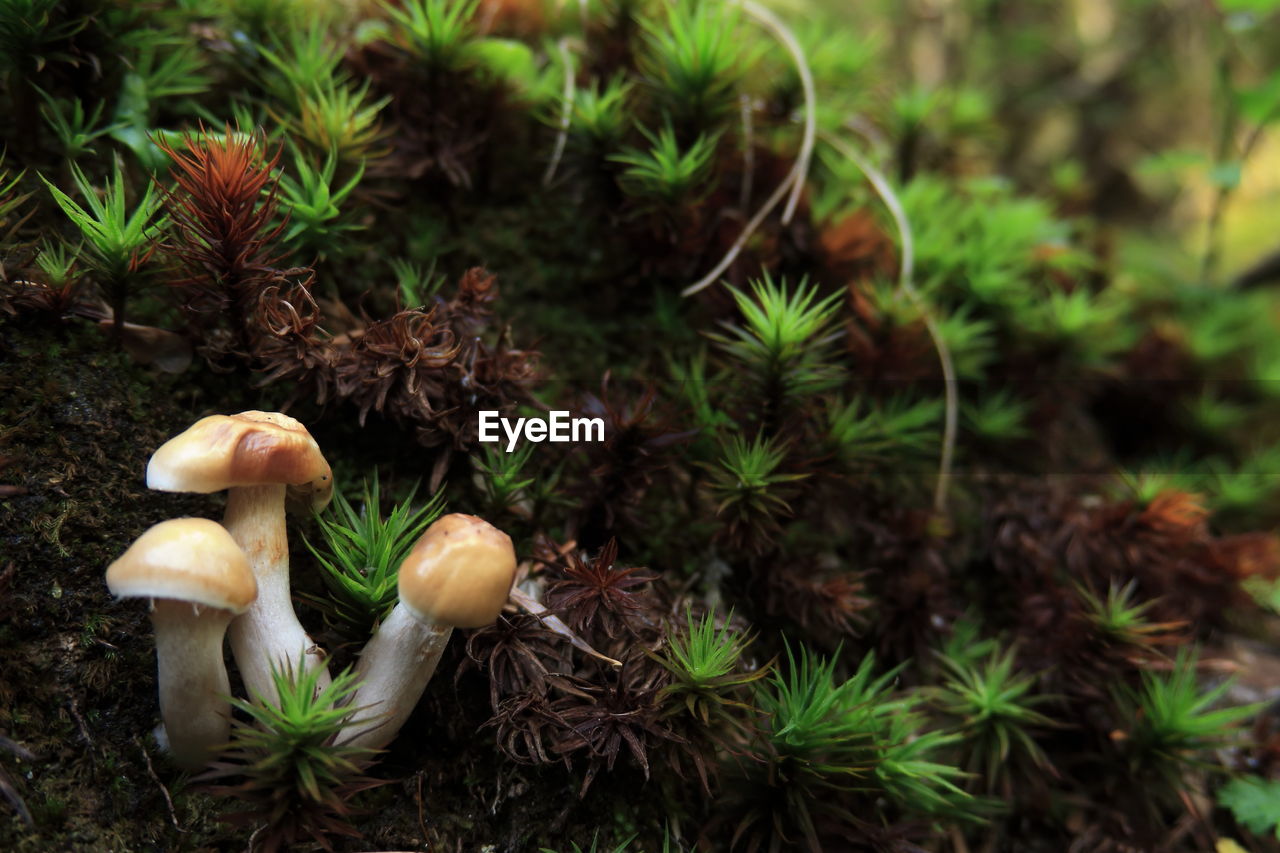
558	427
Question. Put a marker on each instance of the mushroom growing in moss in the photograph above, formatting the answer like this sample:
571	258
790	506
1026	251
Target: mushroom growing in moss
197	579
256	456
458	575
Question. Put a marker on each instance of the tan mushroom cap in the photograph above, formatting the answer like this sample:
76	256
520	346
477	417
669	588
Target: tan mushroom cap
186	559
459	573
249	449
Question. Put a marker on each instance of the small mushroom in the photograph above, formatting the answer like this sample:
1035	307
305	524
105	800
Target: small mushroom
197	578
255	456
458	575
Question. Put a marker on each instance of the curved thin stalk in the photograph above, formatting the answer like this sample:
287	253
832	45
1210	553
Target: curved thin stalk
562	135
748	152
750	228
553	622
795	179
774	25
906	285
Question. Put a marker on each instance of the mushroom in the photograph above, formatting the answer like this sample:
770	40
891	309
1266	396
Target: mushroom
255	456
197	578
458	575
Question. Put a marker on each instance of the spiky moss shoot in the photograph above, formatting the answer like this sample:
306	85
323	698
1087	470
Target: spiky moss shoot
750	490
11	201
997	417
995	707
825	744
982	246
224	240
667	177
694	59
311	205
782	345
254	22
118	239
437	33
600	118
74	128
1123	621
704	698
866	436
293	778
56	262
598	595
361	556
302	62
35	34
503	479
707	669
340	122
57	289
415	284
1168	725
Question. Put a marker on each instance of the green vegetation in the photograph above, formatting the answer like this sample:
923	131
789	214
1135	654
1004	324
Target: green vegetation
362	553
995	710
935	348
706	669
1170	721
295	781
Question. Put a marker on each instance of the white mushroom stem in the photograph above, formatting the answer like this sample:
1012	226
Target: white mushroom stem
392	672
193	679
268	632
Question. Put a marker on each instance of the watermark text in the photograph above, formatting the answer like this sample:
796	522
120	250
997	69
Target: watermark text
559	427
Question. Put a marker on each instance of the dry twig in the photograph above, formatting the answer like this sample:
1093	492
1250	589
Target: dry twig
151	771
906	285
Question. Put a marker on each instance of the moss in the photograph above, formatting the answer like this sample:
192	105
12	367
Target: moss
1079	354
76	663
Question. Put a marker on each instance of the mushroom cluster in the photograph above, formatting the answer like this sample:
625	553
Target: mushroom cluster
207	580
